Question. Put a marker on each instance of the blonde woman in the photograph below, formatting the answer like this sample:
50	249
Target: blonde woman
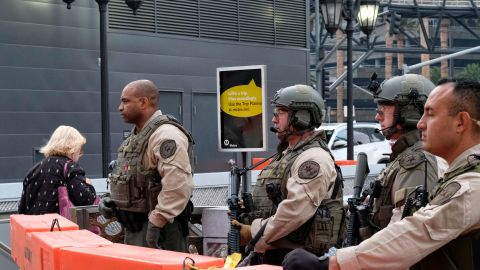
58	168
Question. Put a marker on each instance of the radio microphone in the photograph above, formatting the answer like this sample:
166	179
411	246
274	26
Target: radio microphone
381	130
275	130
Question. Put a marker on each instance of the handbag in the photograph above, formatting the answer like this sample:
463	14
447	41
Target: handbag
64	202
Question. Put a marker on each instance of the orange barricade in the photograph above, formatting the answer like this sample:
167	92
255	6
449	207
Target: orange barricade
125	257
347	162
45	246
261	166
21	227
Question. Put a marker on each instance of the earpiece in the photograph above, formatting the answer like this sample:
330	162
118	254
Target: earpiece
301	120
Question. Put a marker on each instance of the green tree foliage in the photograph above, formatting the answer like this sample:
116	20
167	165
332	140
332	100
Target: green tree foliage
471	71
435	74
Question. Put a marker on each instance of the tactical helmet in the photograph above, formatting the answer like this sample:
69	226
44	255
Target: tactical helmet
305	103
409	93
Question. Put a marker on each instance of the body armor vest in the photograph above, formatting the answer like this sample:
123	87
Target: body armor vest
321	231
134	188
383	205
462	252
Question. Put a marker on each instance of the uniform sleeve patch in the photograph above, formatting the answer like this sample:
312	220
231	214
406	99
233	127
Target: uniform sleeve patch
308	170
446	194
412	160
168	148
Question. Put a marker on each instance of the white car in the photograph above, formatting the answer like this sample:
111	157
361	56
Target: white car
366	139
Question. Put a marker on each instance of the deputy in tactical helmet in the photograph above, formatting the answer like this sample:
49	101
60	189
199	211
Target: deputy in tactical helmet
400	103
445	234
300	188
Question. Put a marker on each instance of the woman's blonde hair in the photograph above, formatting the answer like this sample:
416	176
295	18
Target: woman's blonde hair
65	141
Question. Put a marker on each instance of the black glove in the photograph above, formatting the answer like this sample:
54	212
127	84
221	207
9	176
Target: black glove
106	207
302	259
153	235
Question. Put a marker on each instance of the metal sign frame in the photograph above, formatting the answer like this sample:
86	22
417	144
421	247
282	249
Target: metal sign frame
233	133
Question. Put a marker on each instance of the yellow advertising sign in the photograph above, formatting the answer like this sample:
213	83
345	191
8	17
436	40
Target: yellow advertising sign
242	100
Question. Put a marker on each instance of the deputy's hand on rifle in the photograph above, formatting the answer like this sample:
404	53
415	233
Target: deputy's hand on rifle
245	232
302	259
106	207
153	234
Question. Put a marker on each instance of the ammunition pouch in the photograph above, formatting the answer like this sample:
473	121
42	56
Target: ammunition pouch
120	187
366	230
382	218
132	221
328	227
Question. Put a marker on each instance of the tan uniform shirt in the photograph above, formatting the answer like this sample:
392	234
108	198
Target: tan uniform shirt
404	243
304	197
176	173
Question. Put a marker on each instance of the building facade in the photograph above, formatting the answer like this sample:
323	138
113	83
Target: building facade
50	73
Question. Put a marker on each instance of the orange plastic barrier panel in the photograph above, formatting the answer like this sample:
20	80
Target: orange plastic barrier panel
45	246
125	257
261	166
345	162
21	227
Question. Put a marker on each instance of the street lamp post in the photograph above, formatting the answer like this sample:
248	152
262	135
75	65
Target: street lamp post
331	15
104	92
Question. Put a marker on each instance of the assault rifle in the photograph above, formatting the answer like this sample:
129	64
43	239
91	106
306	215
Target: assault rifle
239	207
356	206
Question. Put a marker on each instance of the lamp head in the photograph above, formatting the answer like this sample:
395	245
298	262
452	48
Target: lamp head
331	14
69	3
367	15
134	5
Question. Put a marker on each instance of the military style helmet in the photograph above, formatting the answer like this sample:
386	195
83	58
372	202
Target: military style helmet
305	103
409	93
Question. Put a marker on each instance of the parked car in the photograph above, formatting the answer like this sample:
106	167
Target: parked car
366	138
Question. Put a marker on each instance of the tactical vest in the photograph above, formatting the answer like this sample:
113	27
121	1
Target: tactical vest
134	188
322	231
383	205
462	252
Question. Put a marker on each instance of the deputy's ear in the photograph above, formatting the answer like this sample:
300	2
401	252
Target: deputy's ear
464	121
143	101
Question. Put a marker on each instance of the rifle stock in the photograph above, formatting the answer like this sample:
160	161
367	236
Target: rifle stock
353	202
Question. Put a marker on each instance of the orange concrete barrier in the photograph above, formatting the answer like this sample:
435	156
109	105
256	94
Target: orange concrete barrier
45	246
21	227
126	257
